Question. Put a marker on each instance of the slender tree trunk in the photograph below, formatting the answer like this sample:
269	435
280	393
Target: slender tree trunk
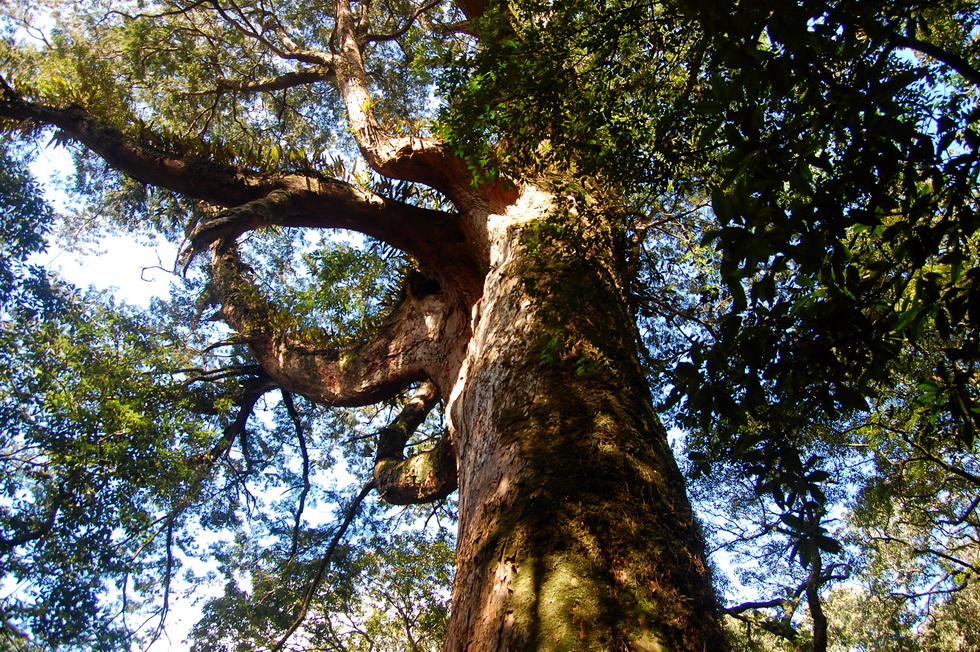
575	530
819	618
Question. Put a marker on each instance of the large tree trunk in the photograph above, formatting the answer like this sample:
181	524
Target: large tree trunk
575	530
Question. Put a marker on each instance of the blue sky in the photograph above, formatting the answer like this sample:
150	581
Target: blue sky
136	272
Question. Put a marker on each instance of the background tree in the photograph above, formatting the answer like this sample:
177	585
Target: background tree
766	211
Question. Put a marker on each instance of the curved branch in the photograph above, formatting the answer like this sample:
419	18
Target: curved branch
432	237
291	50
946	466
781	627
921	550
254	200
42	530
406	348
244	26
962	67
246	399
392	438
403	30
752	606
409	158
168	572
192	176
422	478
15	632
176	12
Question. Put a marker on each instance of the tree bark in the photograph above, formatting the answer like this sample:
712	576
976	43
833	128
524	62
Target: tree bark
575	531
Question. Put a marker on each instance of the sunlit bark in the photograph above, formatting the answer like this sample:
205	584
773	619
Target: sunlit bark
423	477
575	532
408	347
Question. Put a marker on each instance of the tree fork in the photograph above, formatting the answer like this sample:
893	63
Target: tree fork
575	531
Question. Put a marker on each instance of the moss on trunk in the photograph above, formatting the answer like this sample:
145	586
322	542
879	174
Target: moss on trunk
575	529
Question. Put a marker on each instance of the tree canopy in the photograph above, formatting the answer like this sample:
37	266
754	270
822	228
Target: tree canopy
792	194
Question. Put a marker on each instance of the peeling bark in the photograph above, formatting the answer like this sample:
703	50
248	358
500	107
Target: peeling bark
575	532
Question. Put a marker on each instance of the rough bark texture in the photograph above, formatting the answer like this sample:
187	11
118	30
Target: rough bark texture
575	531
424	477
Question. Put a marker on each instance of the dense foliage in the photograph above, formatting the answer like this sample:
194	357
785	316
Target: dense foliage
797	185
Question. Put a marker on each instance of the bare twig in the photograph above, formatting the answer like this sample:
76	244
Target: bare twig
400	32
167	577
287	400
324	564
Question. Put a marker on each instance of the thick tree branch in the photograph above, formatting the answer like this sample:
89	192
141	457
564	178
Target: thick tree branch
192	176
781	627
422	478
406	348
289	200
783	603
409	158
287	80
817	615
433	237
392	438
472	8
255	200
296	53
962	67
